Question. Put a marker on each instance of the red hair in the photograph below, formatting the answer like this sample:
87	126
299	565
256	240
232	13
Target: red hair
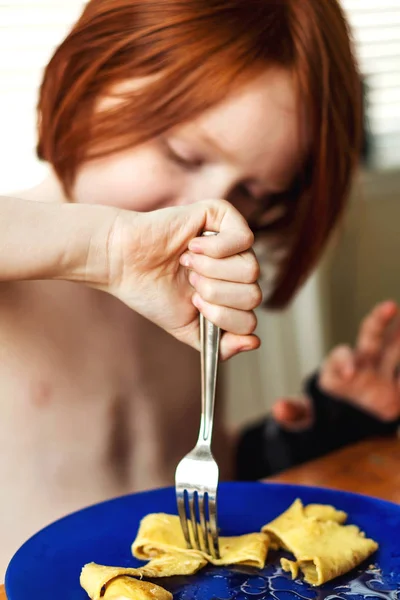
201	50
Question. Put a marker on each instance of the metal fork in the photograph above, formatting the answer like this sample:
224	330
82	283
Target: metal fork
196	477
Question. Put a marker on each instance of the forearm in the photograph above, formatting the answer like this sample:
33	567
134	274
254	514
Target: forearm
54	241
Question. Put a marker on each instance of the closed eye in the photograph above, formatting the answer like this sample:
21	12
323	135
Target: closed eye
186	162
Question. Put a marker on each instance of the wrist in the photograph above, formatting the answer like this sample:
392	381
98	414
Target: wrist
85	255
40	240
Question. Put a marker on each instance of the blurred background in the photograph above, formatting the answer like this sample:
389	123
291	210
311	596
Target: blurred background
362	265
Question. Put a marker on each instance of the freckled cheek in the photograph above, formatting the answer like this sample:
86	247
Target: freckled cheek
139	186
111	188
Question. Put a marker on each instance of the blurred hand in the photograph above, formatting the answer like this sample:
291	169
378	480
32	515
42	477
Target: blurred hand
293	414
366	376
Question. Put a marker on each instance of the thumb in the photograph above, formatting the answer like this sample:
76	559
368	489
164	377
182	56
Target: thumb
235	236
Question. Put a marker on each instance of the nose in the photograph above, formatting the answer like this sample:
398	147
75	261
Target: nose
218	186
215	185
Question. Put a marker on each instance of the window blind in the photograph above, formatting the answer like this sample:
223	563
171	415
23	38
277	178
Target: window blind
376	28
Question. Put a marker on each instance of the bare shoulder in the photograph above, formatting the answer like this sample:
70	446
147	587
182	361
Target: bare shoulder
47	190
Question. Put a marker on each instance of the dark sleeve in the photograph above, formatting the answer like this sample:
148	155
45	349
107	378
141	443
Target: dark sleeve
340	422
265	448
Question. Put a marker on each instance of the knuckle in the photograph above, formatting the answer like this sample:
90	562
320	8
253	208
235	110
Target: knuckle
248	239
255	296
252	269
215	314
244	240
207	290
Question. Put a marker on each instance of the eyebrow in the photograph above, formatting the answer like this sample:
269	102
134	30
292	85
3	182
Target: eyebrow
274	189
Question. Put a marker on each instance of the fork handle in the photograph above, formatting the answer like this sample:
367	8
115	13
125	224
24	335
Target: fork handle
210	336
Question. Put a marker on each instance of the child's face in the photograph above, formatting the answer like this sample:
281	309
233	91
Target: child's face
245	148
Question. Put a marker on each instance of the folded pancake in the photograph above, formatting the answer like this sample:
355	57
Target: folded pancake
322	545
297	514
324	512
117	583
175	563
160	537
324	548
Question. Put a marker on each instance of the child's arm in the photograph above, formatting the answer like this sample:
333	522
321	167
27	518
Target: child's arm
142	259
53	241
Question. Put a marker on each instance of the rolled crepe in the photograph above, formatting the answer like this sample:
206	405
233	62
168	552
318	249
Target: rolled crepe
124	588
324	548
160	537
117	583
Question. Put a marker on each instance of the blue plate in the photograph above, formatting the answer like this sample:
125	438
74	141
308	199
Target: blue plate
47	566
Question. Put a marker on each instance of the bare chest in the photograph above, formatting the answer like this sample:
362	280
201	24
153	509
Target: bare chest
85	382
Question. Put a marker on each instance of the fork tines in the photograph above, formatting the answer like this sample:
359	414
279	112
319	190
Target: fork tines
198	515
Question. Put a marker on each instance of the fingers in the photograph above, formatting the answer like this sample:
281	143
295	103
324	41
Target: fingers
223	272
235	235
235	344
239	322
231	344
337	371
224	245
241	268
293	414
380	399
390	359
366	377
224	293
374	328
360	383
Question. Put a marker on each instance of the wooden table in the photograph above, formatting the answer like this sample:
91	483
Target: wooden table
371	467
